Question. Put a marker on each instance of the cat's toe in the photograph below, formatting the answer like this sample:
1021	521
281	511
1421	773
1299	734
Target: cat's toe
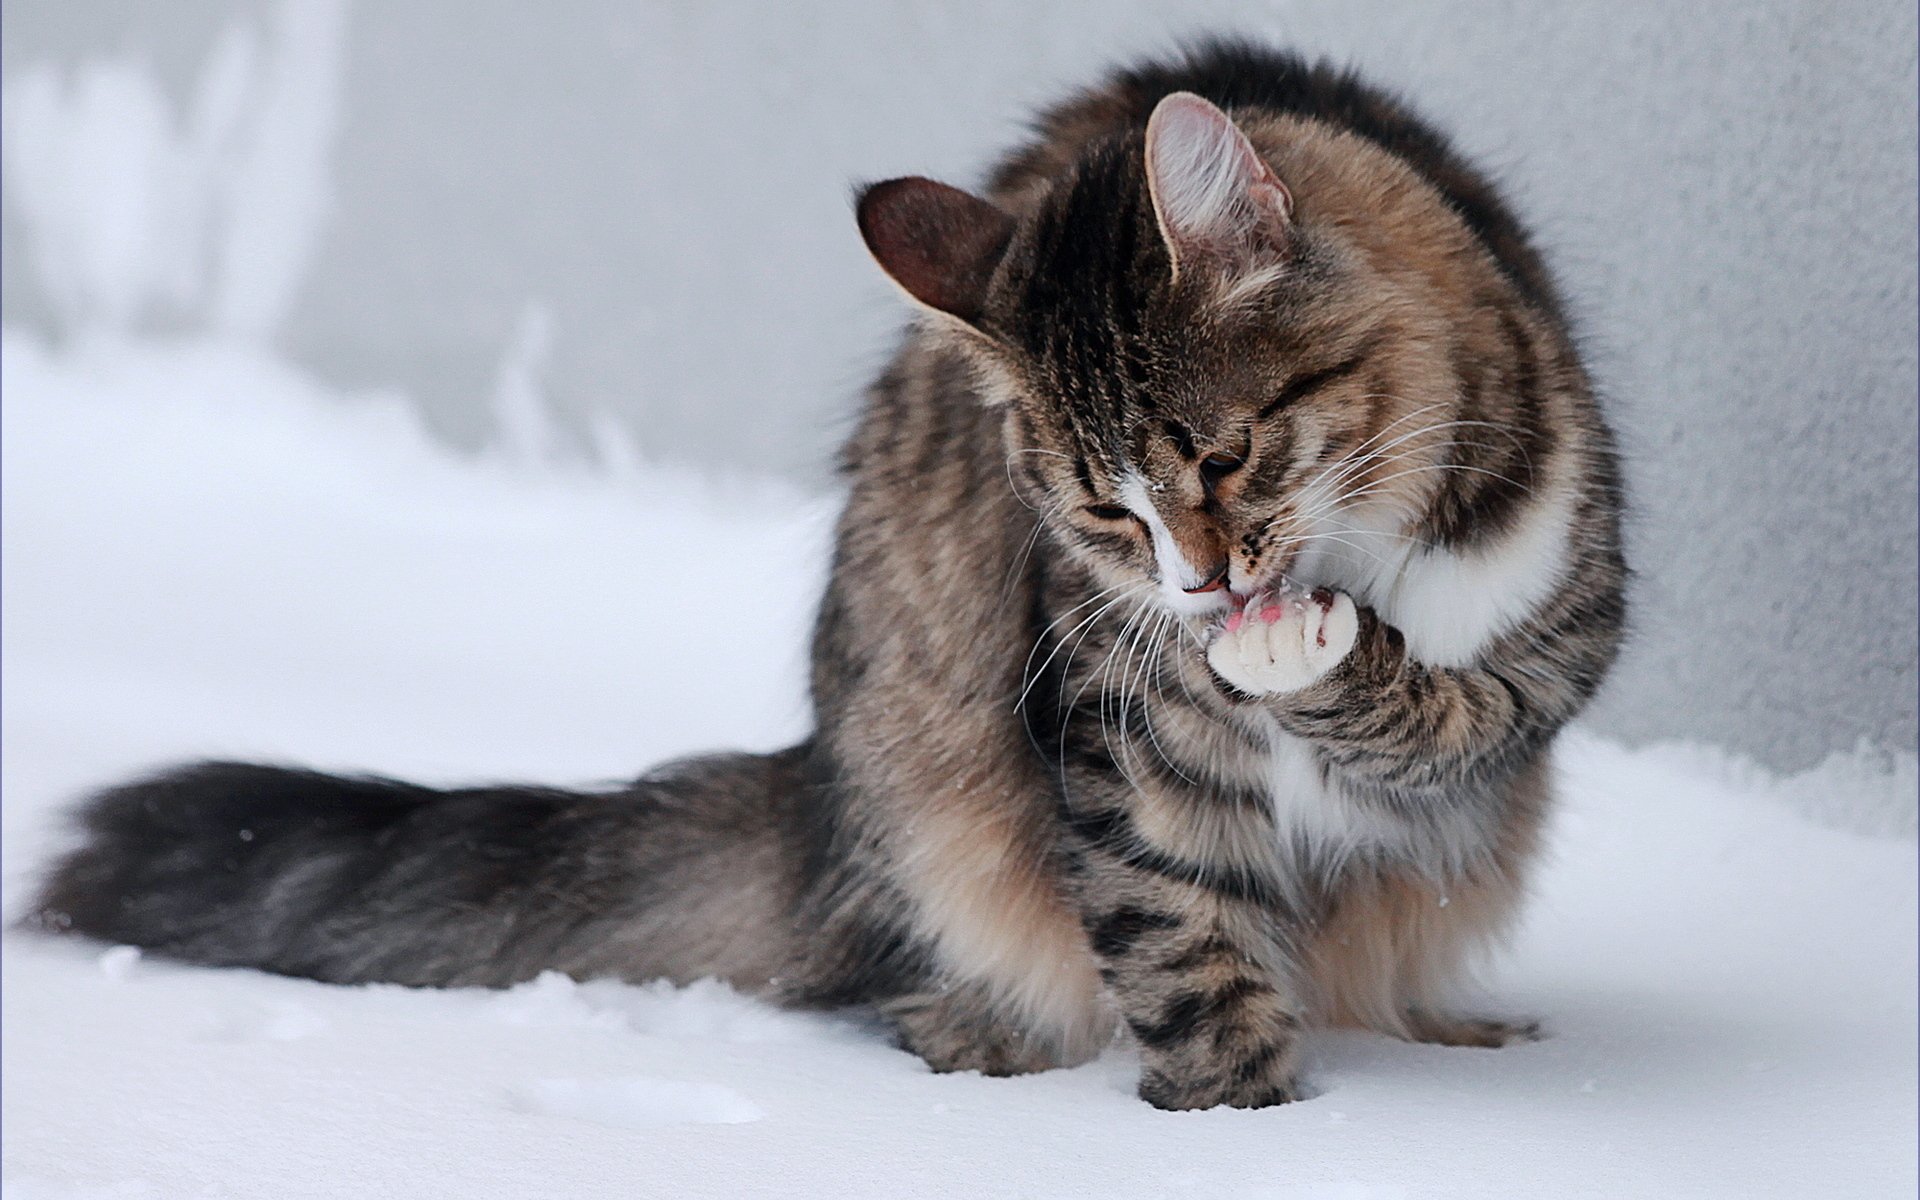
1329	626
1185	1095
1284	642
1487	1033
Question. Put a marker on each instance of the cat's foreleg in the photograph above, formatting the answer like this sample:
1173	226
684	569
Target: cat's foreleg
1488	1033
1335	674
1393	729
1187	951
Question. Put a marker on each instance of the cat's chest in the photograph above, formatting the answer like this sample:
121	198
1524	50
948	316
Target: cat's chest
1314	825
1307	808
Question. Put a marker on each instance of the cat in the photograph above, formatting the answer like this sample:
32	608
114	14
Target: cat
1225	545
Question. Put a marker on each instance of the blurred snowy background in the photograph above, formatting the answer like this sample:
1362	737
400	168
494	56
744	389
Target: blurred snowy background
378	378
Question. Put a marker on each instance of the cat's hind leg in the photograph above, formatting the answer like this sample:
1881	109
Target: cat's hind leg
1443	1029
955	1029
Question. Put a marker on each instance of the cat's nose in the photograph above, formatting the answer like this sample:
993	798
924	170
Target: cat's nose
1216	579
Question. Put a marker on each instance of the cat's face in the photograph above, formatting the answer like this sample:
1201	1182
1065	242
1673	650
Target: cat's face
1210	463
1198	388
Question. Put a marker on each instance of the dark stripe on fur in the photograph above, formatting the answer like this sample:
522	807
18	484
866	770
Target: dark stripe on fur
1302	386
362	879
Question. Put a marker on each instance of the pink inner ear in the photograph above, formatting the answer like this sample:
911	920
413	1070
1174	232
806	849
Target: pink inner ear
939	243
1214	194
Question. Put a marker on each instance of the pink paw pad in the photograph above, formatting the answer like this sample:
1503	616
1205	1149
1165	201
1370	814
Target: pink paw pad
1272	613
1235	621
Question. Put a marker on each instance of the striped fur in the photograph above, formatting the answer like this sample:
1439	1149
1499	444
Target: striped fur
1276	365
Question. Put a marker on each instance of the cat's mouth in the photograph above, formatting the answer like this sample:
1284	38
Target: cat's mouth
1231	590
1273	585
1242	588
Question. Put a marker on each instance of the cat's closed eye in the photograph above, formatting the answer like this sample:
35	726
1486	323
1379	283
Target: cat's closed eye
1109	512
1217	466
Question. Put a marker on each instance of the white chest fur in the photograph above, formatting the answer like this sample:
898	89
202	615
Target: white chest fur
1308	810
1448	604
1319	828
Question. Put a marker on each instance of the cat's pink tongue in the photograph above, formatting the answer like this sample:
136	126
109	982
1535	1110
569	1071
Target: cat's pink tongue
1267	605
1239	615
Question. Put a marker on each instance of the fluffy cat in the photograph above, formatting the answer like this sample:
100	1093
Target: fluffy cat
1225	546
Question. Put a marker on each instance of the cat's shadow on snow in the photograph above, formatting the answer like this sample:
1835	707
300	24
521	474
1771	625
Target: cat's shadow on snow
1597	1042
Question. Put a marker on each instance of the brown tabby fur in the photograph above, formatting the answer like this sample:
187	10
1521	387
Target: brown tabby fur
1216	938
1043	804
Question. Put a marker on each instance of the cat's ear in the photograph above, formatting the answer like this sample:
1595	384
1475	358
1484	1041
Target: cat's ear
937	242
1216	198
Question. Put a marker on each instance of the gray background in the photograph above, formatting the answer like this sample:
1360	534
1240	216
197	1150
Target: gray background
1728	192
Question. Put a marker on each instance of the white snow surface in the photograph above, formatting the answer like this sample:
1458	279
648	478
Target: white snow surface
207	552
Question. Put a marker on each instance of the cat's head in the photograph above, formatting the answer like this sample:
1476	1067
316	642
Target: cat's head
1206	367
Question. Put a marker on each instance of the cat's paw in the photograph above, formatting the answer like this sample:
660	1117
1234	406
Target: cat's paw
1284	641
1245	1090
954	1031
1440	1029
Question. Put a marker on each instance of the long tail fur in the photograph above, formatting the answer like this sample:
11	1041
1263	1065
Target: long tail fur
692	871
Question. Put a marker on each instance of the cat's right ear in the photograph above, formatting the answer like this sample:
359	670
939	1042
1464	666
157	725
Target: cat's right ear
938	243
1217	200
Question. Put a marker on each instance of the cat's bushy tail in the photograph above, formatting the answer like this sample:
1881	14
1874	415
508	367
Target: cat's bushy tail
692	871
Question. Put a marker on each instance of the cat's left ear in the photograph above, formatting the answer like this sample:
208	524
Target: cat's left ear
937	242
1217	200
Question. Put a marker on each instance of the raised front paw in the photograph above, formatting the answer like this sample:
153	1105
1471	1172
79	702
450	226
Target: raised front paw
1283	641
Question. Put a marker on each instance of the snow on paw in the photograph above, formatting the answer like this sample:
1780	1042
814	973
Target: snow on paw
1284	641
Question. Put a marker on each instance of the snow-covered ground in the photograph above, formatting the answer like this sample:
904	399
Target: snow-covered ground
206	552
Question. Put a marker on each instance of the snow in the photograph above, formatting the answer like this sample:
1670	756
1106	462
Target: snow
214	209
209	552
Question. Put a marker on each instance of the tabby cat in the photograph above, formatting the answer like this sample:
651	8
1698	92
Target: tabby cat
1225	545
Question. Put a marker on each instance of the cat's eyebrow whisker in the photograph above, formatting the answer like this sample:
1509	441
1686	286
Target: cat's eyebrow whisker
1015	487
